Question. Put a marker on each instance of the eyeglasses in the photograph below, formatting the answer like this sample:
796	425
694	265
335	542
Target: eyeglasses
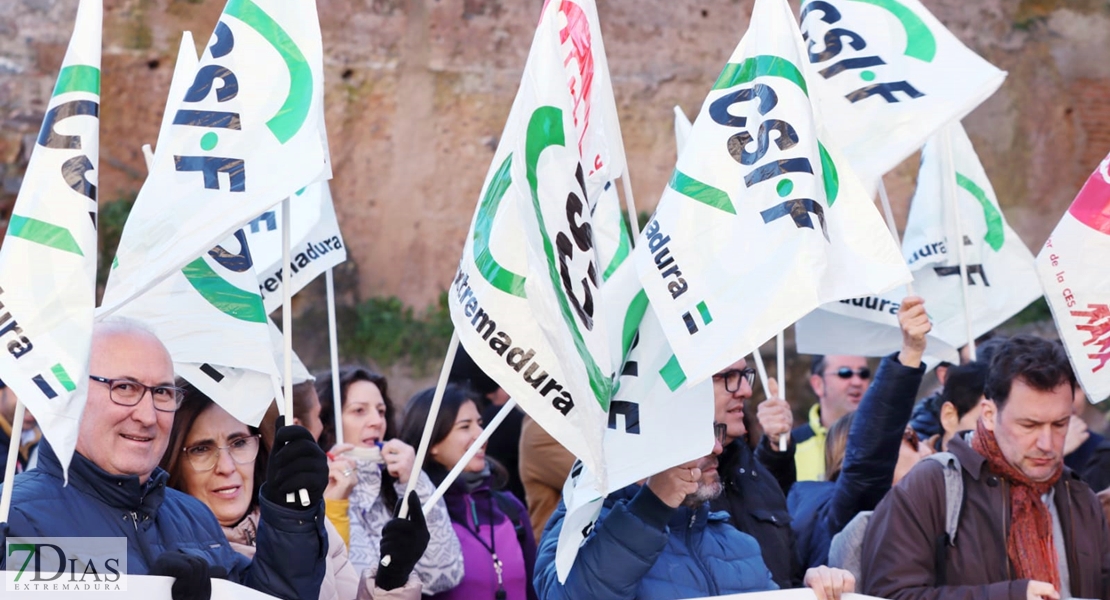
732	377
910	436
128	392
846	373
203	457
720	430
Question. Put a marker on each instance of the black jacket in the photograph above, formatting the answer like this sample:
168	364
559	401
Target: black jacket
1091	461
756	506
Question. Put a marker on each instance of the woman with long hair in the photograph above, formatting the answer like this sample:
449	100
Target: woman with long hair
498	547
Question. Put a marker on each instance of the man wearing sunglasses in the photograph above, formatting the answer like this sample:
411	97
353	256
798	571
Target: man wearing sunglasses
116	489
839	381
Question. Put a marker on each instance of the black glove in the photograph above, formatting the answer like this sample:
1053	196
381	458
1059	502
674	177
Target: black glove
191	573
296	463
403	543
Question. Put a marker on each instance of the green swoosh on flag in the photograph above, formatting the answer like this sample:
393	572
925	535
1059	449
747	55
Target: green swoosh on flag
545	129
498	276
78	78
995	228
702	192
41	232
227	298
632	319
622	250
292	114
920	42
829	175
764	65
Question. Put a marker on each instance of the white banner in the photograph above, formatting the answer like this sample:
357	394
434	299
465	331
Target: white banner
525	298
760	223
1001	275
889	74
48	260
183	71
246	135
1072	267
315	243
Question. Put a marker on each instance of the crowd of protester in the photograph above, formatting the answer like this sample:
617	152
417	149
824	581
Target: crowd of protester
992	486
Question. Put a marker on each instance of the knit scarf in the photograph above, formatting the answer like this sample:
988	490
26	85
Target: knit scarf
1029	544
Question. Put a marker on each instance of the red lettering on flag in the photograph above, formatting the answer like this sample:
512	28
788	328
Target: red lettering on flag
1092	205
1098	326
577	31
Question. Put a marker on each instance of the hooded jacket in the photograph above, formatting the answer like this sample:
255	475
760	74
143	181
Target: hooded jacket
899	554
642	548
156	519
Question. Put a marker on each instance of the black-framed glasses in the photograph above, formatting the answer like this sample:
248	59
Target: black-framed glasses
720	430
128	392
846	373
732	378
203	457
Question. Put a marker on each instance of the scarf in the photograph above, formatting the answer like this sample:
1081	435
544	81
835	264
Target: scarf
1029	544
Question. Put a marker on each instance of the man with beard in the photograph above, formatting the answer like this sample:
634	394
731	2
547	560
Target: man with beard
660	540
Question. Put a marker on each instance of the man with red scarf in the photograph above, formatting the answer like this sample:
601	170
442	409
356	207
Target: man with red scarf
1028	527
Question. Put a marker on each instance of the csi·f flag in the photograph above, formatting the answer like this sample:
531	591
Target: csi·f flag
246	134
525	298
1072	267
890	74
48	260
761	221
1000	271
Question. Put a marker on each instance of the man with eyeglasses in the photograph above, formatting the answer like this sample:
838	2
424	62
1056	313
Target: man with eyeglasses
839	382
116	489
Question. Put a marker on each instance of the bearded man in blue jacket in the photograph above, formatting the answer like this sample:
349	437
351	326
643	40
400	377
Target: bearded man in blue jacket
660	540
116	488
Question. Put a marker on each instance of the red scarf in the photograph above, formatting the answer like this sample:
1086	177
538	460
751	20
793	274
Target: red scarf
1030	544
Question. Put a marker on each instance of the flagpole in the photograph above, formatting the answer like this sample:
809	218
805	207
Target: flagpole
889	214
287	314
506	408
762	370
426	437
630	203
780	350
9	468
949	178
333	343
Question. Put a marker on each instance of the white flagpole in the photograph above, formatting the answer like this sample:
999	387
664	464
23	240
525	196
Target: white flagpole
780	370
9	468
333	343
762	370
949	190
630	204
430	503
426	437
286	314
889	214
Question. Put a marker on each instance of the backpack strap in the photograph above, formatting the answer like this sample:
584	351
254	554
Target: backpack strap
512	511
953	501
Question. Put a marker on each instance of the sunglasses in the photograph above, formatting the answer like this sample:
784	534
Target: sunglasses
910	436
846	373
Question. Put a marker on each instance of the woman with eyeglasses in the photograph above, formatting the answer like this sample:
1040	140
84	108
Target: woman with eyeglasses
869	442
218	460
384	465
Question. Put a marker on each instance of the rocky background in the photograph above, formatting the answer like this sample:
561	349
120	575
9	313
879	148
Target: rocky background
418	91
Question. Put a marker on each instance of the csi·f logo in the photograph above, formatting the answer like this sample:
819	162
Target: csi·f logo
51	564
844	55
198	111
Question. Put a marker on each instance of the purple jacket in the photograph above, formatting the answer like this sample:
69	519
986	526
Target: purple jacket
472	514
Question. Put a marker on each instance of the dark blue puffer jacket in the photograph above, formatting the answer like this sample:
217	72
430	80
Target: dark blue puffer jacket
292	545
641	548
821	508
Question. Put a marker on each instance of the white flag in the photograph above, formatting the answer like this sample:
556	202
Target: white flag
1001	275
246	134
48	260
890	75
525	299
1072	267
682	127
760	223
315	243
183	71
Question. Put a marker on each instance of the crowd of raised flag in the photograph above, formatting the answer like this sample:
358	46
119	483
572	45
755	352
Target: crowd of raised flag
591	434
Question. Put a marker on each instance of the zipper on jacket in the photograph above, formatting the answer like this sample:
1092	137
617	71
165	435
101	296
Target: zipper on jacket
135	520
1005	523
1071	550
713	590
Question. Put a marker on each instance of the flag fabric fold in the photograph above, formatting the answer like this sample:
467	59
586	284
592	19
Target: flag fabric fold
48	259
1072	268
761	221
